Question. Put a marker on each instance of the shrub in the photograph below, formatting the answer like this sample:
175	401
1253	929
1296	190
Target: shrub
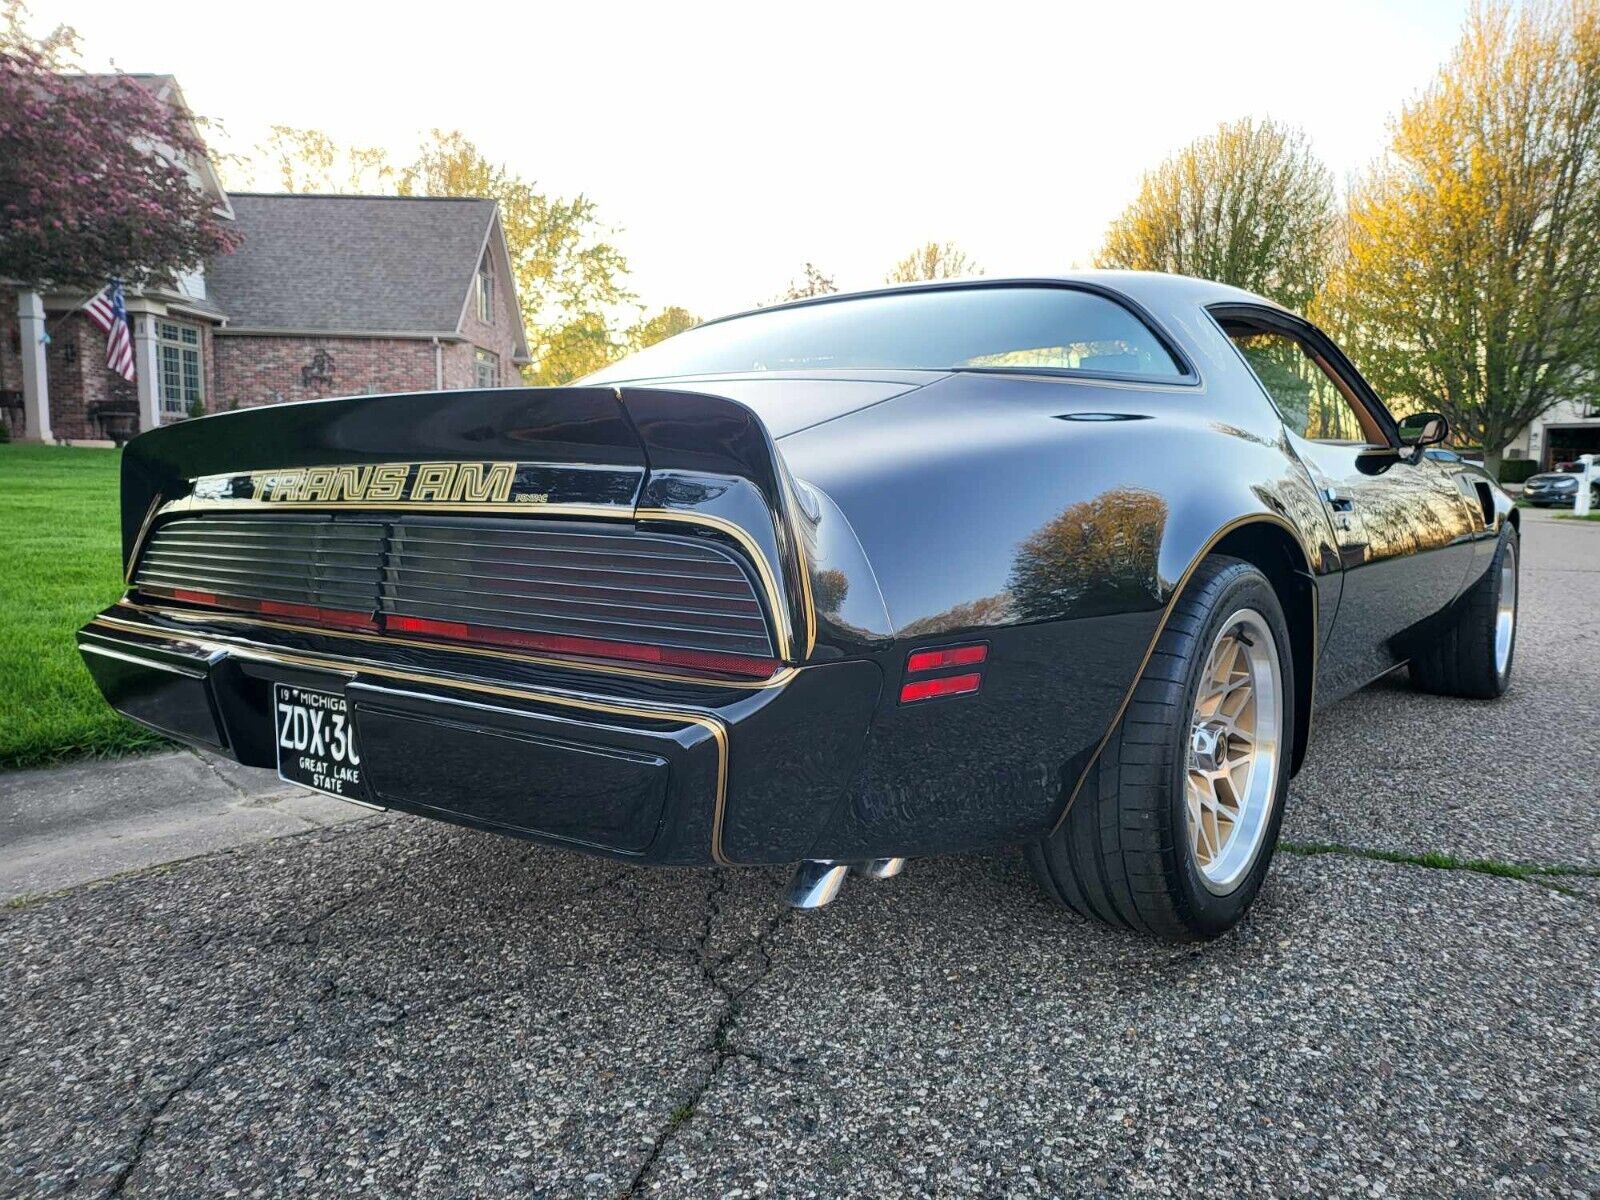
1517	470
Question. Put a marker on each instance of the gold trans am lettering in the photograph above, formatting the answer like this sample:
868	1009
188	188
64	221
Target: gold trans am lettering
421	483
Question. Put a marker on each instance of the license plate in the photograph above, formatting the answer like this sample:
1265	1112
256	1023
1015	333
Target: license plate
316	742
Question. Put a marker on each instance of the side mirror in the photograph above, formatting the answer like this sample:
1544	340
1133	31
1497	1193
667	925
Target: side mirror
1423	429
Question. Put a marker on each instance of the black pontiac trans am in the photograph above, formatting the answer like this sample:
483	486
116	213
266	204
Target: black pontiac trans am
1062	563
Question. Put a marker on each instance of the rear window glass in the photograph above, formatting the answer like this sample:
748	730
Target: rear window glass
997	328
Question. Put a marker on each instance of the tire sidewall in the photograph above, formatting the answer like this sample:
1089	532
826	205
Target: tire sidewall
1211	913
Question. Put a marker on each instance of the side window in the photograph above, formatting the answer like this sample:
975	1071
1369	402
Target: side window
486	290
486	369
1312	400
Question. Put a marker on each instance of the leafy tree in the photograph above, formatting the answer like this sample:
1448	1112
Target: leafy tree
1098	555
309	161
829	588
669	322
1471	282
1248	205
575	348
811	283
570	277
95	179
933	260
971	614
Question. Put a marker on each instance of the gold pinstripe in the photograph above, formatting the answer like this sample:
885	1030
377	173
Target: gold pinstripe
190	504
805	592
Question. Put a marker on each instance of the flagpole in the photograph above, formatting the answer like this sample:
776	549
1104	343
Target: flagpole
75	309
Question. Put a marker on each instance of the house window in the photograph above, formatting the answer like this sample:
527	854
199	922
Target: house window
486	366
485	291
182	382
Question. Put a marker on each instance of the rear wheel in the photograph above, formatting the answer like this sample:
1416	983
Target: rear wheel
1173	830
1471	653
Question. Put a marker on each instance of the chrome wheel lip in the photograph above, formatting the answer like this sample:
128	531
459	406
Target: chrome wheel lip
1505	617
1229	808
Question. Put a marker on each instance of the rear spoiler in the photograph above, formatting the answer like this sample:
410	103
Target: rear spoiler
694	460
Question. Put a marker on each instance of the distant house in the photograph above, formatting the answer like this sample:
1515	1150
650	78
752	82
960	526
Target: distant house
327	296
1560	435
334	295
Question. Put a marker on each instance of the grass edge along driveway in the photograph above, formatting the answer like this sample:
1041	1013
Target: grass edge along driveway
60	562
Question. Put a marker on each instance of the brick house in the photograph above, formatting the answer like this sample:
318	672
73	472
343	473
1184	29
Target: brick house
327	296
334	295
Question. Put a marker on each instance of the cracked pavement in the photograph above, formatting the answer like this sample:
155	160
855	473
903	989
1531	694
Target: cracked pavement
396	1007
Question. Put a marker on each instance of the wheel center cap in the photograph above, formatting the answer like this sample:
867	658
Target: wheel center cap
1206	743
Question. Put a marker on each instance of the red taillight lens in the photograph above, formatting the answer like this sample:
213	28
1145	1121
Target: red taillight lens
946	656
343	618
487	635
322	616
946	685
700	660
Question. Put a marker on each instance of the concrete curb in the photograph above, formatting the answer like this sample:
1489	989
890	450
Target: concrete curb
65	826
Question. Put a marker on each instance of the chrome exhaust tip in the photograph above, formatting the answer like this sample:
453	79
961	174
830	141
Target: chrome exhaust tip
816	882
879	868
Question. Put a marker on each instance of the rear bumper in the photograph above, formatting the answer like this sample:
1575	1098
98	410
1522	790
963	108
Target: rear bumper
651	772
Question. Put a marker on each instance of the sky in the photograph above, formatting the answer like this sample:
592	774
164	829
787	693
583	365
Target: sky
729	144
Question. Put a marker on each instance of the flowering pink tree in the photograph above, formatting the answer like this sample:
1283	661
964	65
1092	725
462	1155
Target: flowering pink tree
92	182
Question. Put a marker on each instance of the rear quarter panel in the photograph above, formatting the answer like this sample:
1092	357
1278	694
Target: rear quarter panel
1005	508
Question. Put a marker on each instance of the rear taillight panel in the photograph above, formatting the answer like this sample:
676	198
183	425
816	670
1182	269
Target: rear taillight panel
558	588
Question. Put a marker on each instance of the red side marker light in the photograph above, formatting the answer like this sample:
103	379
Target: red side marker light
946	656
943	658
947	685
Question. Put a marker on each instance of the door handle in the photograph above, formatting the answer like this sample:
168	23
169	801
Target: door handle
1337	500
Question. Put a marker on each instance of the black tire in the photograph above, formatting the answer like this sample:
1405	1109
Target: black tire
1459	657
1122	856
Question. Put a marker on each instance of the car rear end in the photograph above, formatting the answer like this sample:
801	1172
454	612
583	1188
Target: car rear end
581	615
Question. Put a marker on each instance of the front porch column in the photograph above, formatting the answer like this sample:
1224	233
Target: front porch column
145	371
35	372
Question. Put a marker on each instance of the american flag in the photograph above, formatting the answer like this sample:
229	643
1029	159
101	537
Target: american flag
108	311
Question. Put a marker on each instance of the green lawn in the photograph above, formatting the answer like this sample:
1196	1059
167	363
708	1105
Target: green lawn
60	561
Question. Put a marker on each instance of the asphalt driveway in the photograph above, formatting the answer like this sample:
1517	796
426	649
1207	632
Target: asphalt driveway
396	1007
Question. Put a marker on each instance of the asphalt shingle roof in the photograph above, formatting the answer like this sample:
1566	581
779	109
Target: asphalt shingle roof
350	264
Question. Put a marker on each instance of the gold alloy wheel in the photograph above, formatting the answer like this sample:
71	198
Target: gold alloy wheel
1505	617
1235	731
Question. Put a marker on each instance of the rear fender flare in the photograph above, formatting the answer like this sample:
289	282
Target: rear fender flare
1178	549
